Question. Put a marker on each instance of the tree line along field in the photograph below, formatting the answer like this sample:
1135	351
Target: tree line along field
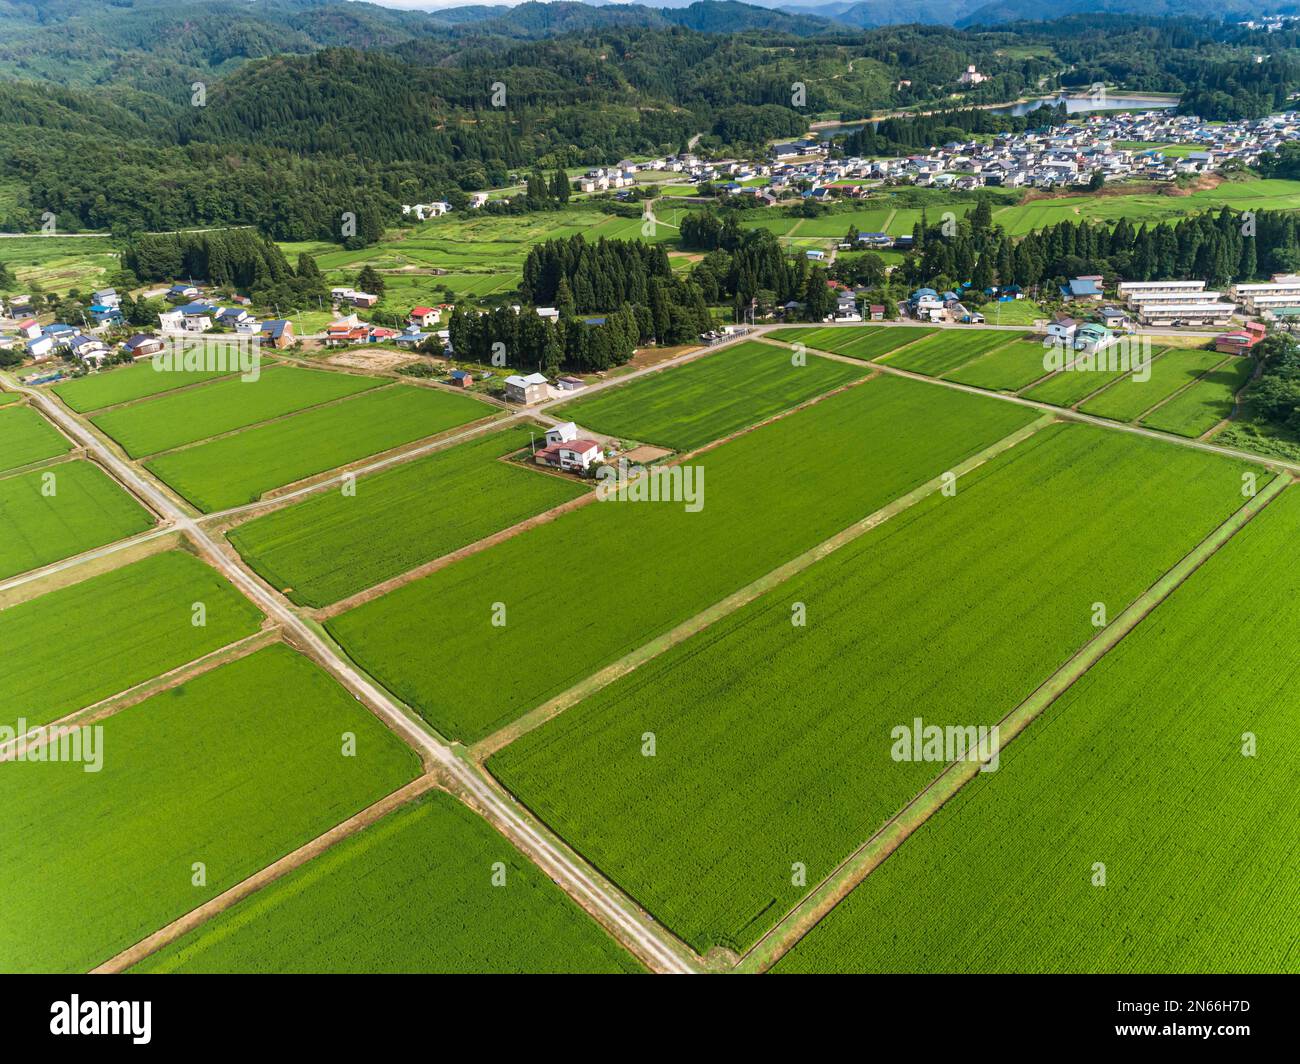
1128	398
86	510
866	342
333	545
169	421
239	469
1208	401
95	861
769	496
773	739
948	349
687	406
26	438
1139	767
131	624
410	893
122	384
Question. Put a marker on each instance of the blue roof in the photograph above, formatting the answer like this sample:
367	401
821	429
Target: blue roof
274	328
197	308
1080	287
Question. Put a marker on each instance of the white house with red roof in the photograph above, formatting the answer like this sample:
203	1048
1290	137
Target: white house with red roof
423	316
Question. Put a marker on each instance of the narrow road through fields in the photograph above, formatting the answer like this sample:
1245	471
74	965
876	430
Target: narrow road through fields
632	929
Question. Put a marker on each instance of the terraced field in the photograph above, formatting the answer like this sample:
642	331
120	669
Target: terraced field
26	437
773	741
687	406
157	594
866	342
50	514
257	744
1205	403
1128	398
334	545
1007	368
949	348
768	497
411	893
1139	758
240	469
170	421
122	384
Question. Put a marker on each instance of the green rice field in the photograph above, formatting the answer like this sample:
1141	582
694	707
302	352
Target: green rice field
86	509
1133	768
122	384
240	469
410	893
333	545
768	497
157	594
762	761
1205	403
690	405
865	342
1007	368
174	420
1128	398
949	348
230	771
26	437
1070	386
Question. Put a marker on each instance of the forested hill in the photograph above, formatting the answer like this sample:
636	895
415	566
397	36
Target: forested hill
273	113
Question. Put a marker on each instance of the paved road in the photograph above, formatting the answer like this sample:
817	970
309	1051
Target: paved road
574	878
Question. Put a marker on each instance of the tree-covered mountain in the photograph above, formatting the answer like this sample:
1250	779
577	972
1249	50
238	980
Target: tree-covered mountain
287	114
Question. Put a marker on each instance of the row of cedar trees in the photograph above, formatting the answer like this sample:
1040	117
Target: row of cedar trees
1216	246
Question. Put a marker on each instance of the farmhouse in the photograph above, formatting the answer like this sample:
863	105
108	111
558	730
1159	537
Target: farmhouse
1062	328
280	333
565	449
1240	341
88	348
423	316
142	344
528	389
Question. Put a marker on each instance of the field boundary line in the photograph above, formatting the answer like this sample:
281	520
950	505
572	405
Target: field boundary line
552	708
359	598
84	558
850	872
383	386
1278	465
325	613
375	463
1184	388
146	689
168	934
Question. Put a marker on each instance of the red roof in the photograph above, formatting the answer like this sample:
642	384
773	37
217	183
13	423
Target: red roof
422	312
581	446
27	324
